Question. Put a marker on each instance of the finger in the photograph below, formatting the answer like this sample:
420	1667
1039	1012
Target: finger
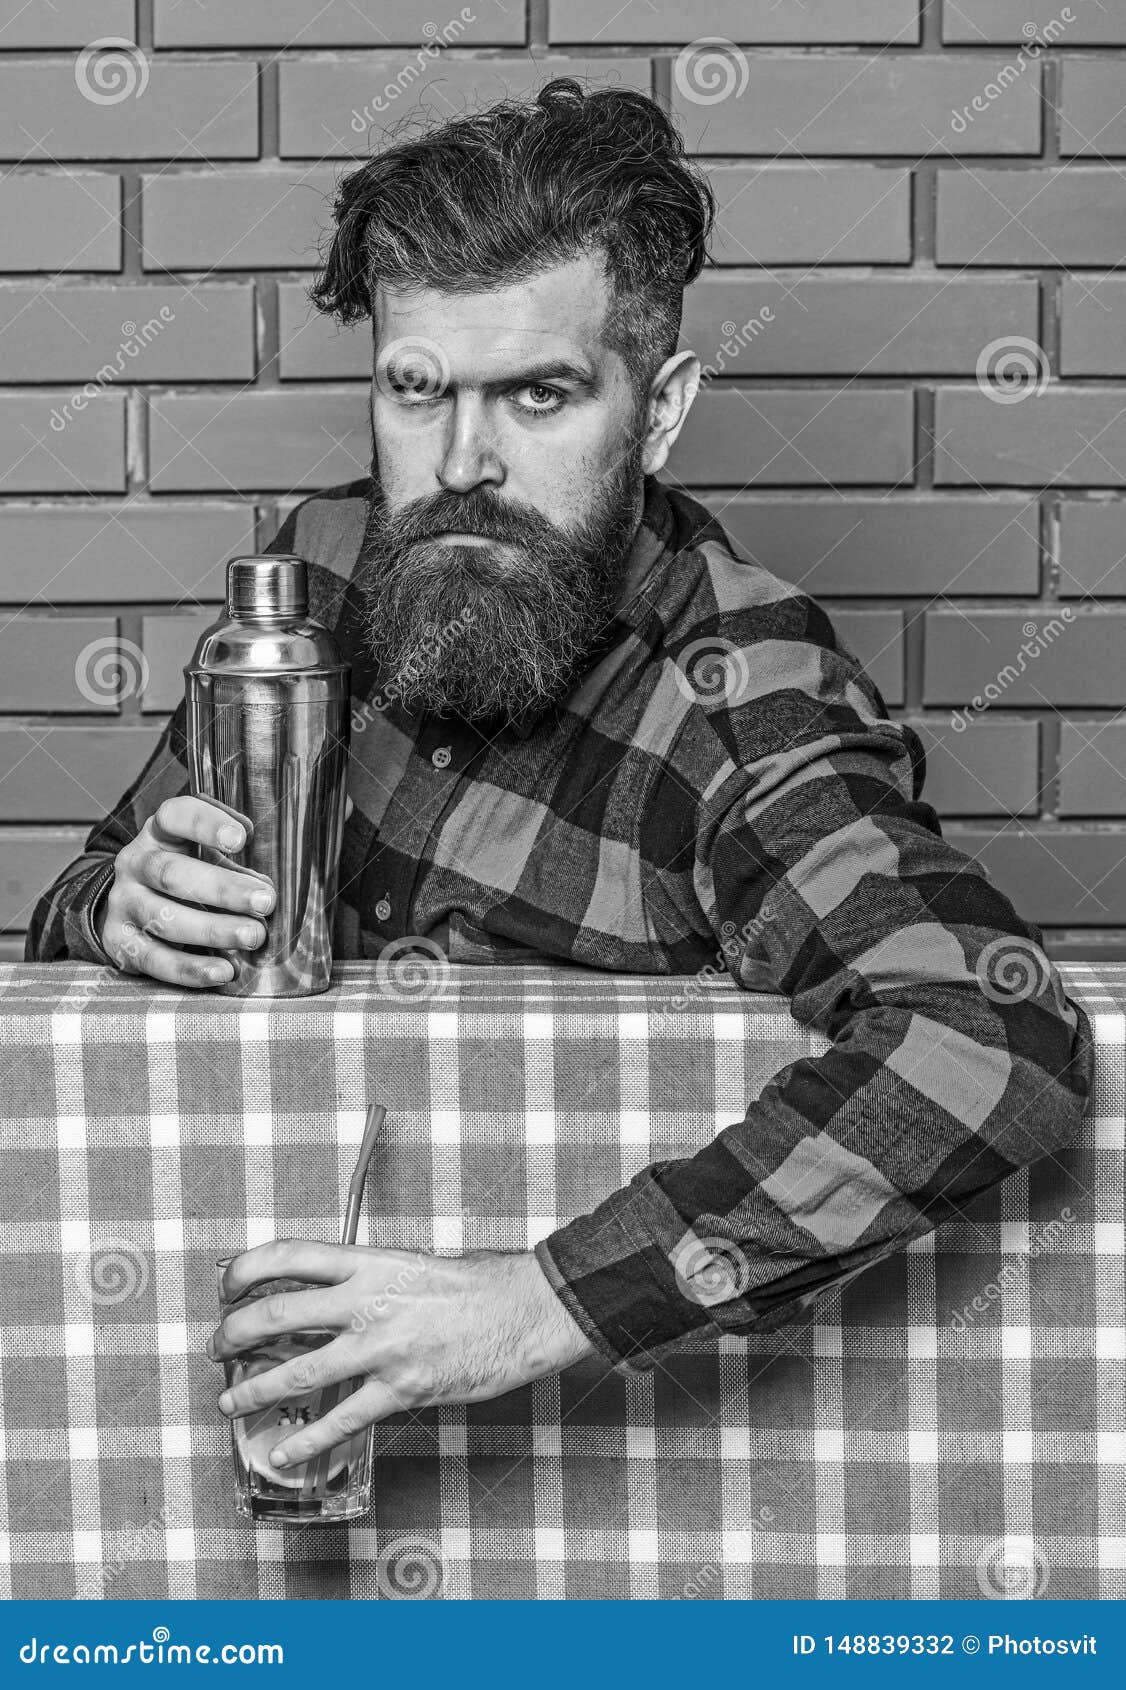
330	1365
135	952
205	821
251	1323
288	1258
184	879
374	1401
185	924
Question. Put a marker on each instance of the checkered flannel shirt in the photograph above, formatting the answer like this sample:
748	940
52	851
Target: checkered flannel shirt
721	790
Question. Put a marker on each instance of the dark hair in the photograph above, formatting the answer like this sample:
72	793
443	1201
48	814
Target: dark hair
506	192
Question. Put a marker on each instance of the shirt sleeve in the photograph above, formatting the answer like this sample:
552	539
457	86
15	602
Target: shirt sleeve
956	1056
62	924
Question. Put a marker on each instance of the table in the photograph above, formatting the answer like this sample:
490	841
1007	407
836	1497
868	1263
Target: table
905	1444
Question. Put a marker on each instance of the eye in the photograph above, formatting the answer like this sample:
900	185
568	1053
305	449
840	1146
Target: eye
539	400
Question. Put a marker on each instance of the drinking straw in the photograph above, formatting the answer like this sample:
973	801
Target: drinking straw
330	1396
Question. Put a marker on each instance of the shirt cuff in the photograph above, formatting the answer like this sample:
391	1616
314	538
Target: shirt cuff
90	904
619	1284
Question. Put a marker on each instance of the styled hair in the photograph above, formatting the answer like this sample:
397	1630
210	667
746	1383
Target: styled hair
487	199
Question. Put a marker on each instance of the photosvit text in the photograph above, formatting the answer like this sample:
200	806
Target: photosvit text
931	1643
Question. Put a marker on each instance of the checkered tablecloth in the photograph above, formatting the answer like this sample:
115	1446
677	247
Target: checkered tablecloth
906	1444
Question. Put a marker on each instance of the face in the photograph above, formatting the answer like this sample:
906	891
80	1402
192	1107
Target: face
509	456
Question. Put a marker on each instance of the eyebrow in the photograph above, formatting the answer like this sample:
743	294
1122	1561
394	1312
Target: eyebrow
548	369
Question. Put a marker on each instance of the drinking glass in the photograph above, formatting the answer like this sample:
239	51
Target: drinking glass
331	1487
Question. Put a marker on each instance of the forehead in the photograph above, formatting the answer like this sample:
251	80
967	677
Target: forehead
558	312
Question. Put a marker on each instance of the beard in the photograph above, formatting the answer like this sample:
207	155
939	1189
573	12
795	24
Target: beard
493	631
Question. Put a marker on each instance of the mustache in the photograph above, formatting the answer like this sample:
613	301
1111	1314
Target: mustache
482	513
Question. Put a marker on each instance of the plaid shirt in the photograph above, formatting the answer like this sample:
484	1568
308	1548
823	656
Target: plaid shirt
722	789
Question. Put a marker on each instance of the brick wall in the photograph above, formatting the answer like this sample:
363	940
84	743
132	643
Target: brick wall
903	187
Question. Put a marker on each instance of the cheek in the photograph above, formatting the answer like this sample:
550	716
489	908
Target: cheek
559	472
406	461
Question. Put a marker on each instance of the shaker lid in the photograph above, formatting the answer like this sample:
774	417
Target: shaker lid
277	585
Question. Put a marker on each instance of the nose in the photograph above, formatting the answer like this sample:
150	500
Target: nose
471	458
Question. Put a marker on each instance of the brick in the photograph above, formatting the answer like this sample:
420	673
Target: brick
1092	548
49	221
30	859
1067	657
796	214
169	642
878	546
53	773
988	769
127	334
1042	217
262	440
1091	116
186	111
1053	874
120	554
847	104
336	108
752	21
64	23
337	23
57	663
771	437
85	455
1042	438
876	638
1093	326
834	326
236	219
1096	23
315	345
1093	769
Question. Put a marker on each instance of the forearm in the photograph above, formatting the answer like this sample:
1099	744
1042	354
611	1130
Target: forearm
838	1164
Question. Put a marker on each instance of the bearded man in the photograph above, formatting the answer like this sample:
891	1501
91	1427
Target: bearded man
588	729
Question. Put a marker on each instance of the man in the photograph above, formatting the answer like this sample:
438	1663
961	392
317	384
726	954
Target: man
586	728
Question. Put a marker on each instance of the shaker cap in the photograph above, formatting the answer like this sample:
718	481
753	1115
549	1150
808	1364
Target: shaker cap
267	586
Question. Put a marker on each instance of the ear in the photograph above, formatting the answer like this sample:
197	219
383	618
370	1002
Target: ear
671	393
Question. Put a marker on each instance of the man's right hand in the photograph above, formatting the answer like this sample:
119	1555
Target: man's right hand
163	895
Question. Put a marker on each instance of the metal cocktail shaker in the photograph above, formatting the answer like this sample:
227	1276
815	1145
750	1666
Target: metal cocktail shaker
268	716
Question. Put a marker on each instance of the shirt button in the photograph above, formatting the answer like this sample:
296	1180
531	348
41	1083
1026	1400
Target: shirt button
383	910
441	758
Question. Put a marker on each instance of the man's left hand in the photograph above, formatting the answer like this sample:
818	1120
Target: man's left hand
419	1330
